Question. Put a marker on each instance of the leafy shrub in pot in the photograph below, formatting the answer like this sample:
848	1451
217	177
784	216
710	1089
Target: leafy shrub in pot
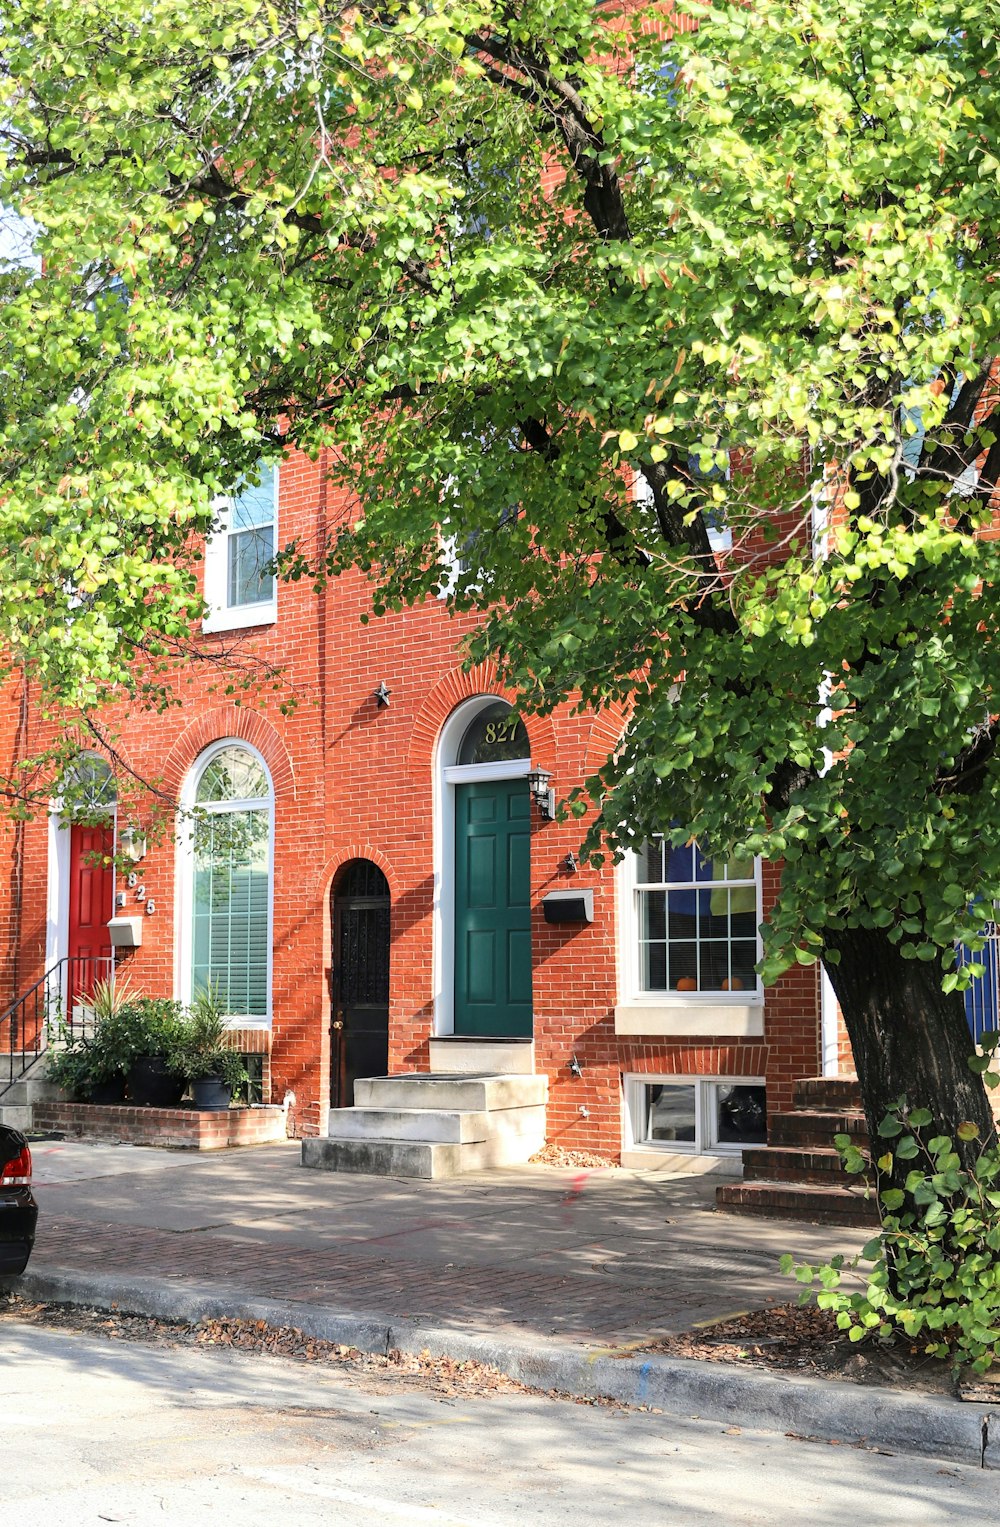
204	1054
154	1028
93	1067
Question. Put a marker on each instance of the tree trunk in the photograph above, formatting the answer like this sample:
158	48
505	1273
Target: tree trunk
910	1039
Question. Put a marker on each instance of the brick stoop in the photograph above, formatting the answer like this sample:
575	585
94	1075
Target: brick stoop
799	1175
180	1128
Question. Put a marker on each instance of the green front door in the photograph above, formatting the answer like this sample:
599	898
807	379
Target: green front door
492	909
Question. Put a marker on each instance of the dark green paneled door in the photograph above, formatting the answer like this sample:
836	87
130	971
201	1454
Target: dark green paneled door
492	909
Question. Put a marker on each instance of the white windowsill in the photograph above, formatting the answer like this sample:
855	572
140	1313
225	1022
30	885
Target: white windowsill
239	618
729	1019
653	1158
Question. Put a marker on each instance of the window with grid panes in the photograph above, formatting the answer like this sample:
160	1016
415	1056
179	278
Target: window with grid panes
696	921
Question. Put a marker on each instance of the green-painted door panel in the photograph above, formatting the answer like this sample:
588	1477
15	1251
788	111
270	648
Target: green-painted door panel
481	953
481	857
519	966
493	909
518	868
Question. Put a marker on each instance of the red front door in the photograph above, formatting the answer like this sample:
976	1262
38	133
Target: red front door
91	903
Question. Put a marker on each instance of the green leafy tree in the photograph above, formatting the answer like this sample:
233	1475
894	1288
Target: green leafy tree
507	262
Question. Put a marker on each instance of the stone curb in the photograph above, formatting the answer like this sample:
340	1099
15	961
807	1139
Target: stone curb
821	1408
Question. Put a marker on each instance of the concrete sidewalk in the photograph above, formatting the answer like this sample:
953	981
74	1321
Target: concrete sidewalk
557	1277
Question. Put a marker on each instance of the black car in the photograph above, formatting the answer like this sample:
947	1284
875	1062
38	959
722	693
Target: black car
18	1210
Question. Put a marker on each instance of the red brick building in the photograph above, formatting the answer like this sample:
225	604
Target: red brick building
371	876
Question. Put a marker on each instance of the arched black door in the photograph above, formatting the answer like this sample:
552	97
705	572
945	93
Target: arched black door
359	985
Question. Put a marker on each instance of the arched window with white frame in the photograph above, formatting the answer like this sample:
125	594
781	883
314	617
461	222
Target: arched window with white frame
226	883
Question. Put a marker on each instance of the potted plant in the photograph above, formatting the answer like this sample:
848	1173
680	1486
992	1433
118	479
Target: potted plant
154	1028
92	1068
69	1069
205	1056
111	1046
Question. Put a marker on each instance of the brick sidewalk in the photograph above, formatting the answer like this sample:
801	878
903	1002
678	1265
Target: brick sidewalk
603	1304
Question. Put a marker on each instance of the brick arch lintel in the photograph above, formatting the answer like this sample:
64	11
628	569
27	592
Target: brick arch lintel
113	748
605	735
341	856
230	721
711	1057
465	684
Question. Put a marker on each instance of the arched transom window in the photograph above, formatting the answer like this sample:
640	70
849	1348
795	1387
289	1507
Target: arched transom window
231	874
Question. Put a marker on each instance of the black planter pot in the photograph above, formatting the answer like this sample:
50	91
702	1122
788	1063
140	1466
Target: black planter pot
112	1091
211	1092
151	1085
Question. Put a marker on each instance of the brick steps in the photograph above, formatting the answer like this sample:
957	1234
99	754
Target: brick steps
788	1200
779	1163
813	1126
828	1092
798	1174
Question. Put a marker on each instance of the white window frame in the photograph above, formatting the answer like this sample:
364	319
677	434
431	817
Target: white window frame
726	1014
221	615
705	1142
184	880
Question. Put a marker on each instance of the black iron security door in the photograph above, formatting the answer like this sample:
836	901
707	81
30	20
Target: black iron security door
359	979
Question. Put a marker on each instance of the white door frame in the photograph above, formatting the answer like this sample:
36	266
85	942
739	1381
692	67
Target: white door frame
448	773
59	838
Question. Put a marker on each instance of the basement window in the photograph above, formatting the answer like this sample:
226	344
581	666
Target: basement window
695	1115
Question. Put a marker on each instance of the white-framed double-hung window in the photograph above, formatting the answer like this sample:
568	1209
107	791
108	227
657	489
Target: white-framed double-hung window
696	921
689	942
240	584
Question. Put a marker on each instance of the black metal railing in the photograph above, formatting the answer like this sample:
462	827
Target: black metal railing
58	1006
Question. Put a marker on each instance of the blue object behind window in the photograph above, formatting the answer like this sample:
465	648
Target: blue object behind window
981	996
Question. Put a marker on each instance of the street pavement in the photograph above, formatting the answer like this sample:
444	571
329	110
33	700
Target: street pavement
584	1256
102	1431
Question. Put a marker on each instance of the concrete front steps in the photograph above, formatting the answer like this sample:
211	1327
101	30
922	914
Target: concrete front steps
436	1125
799	1175
30	1086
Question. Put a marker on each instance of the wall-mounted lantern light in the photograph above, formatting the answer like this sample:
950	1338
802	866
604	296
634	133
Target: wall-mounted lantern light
132	844
545	798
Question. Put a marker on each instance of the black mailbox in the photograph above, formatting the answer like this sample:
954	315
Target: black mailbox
568	906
